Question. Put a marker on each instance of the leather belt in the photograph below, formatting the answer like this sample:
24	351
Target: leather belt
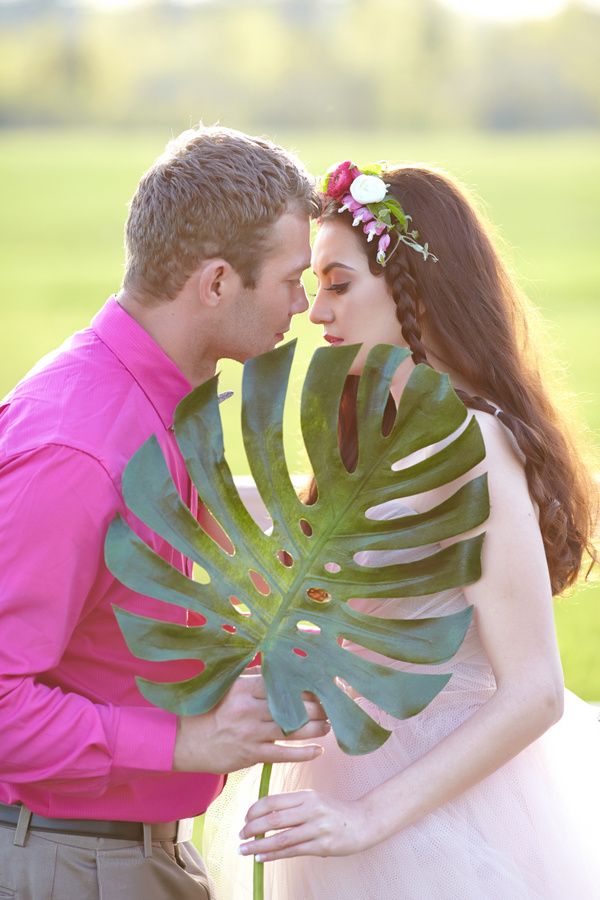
177	832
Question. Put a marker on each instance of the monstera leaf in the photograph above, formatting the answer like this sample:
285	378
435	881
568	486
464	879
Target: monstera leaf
296	612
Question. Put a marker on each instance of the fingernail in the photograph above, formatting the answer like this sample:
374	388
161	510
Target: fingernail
242	850
259	857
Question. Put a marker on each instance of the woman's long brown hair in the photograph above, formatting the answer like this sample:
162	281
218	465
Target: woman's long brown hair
478	325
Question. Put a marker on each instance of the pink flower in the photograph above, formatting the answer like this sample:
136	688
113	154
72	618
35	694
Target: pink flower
362	214
383	243
340	179
372	228
351	204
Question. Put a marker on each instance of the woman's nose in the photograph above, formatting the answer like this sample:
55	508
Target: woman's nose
320	312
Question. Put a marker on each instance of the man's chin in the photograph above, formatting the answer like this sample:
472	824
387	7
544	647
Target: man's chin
276	342
244	356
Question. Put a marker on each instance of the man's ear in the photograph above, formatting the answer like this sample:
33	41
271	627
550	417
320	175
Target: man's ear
215	280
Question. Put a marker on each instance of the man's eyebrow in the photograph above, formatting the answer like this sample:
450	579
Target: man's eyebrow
298	270
336	265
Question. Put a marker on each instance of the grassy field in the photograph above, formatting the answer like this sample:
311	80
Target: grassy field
65	201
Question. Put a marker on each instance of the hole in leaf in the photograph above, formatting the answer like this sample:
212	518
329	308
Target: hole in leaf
344	686
286	559
318	595
259	583
306	527
332	567
231	629
299	652
308	627
389	509
209	524
240	607
200	575
195	619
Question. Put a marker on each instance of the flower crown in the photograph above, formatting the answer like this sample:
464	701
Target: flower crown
364	193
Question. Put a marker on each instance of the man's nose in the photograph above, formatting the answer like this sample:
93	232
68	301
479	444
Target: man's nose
300	302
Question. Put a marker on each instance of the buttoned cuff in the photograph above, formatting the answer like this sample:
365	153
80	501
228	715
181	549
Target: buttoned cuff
141	738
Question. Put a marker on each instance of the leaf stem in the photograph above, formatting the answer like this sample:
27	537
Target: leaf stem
259	868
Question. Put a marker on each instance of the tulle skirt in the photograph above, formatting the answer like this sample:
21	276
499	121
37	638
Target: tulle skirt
529	830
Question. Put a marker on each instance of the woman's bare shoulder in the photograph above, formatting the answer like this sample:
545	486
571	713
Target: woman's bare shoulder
503	464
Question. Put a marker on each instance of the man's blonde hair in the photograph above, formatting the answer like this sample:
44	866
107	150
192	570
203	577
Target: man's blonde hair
213	192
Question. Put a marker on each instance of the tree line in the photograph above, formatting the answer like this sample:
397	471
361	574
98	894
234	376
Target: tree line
296	64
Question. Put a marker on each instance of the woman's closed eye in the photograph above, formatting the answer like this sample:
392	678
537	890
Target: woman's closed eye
338	288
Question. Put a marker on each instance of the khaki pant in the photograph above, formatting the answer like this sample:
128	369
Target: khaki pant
53	866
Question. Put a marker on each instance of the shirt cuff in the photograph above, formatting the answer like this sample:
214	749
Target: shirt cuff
142	737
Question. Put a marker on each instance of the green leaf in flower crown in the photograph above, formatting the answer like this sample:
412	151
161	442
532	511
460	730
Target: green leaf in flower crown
300	616
397	211
371	169
381	212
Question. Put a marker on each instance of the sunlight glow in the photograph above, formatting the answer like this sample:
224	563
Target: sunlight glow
128	4
508	10
491	10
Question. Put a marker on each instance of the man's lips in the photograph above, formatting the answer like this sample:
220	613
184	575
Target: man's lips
333	340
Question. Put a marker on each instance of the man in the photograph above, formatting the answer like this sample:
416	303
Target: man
93	780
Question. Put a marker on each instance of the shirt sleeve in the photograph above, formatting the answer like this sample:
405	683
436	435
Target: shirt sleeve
56	504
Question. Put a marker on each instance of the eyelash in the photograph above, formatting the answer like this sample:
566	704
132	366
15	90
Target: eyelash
338	288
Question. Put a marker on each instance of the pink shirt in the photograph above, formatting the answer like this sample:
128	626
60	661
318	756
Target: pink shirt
77	739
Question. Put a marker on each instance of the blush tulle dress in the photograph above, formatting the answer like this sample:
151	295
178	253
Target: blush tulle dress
529	831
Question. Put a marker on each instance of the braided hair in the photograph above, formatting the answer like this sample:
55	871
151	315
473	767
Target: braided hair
477	319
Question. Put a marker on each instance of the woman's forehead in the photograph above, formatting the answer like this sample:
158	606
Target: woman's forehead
334	242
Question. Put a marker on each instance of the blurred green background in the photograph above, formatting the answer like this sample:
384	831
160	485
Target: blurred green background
89	95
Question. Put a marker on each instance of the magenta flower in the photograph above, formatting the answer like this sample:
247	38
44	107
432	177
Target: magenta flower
340	179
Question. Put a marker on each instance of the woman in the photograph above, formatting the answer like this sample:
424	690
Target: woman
482	794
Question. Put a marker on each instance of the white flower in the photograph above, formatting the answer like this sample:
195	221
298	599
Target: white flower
368	189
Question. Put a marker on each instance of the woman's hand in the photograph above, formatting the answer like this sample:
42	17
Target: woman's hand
306	823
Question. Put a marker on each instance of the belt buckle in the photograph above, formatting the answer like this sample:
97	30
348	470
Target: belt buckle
185	830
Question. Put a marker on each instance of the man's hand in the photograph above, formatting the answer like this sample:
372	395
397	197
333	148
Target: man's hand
240	732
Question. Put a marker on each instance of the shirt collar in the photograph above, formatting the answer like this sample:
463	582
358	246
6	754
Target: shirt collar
157	375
